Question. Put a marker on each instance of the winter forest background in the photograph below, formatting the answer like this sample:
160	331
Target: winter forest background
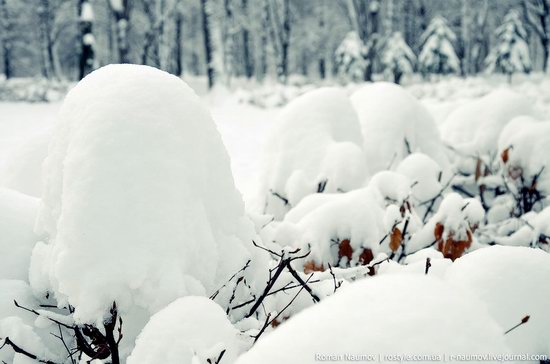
258	39
274	181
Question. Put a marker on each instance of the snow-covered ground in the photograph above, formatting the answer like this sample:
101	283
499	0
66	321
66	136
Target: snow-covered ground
355	192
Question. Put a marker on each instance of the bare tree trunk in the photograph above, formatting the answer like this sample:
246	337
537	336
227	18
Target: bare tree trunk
178	49
285	40
322	51
247	58
5	38
122	19
86	63
207	43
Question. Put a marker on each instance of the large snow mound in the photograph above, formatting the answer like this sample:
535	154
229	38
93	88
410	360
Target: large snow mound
394	314
188	329
139	204
315	147
17	238
513	283
474	128
395	124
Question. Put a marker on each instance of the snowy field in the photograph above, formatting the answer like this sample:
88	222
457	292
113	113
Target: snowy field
409	223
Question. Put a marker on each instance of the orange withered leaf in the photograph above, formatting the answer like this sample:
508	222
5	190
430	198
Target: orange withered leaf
504	155
311	266
395	239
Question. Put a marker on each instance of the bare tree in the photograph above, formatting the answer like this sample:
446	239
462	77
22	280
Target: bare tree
5	39
87	41
121	12
280	25
208	52
537	14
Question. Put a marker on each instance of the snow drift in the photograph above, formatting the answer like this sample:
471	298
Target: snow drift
410	315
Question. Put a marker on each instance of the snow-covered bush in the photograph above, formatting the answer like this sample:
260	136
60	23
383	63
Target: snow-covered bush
511	52
395	124
22	327
474	128
437	54
398	58
139	206
384	315
532	230
513	283
350	58
189	330
451	229
350	229
316	147
17	238
523	147
428	182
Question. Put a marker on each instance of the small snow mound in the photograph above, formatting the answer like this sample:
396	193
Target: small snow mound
17	238
513	283
188	329
474	128
426	175
395	124
405	314
316	147
139	205
524	146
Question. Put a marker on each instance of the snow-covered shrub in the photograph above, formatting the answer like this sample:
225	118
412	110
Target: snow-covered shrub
189	330
17	238
428	182
395	124
398	58
451	229
437	54
513	283
139	205
511	52
532	229
350	229
21	327
316	147
384	315
523	147
350	58
474	128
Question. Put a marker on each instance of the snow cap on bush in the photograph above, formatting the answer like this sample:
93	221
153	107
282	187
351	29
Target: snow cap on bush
394	125
315	147
139	204
188	329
